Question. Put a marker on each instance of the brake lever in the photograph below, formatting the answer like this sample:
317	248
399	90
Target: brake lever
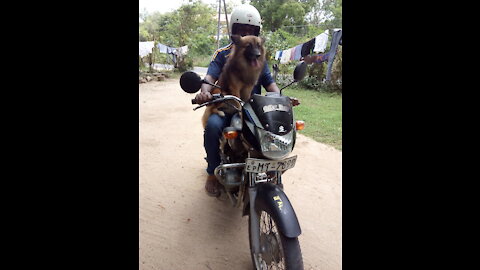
199	106
216	98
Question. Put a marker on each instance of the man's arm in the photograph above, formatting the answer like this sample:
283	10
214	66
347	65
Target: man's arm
272	88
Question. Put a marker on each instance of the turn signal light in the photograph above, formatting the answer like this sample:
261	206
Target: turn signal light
300	125
230	134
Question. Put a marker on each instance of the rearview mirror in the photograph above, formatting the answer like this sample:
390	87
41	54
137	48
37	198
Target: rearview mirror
300	71
190	82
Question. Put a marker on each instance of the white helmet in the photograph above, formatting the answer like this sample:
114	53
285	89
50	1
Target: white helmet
246	14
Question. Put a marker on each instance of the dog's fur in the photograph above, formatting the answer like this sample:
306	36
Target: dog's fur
240	73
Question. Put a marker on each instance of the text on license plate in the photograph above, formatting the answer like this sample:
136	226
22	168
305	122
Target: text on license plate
262	165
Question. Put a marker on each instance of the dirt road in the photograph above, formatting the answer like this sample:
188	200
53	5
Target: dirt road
182	228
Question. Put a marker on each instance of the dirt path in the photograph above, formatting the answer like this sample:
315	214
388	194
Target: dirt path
182	228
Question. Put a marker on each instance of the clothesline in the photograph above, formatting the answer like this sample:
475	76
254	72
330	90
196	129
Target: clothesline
146	47
318	44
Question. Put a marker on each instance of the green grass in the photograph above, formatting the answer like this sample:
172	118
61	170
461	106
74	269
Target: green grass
322	113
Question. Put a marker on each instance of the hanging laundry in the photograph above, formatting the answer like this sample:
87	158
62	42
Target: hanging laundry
162	48
182	50
145	48
285	56
292	53
278	54
298	52
307	47
174	58
316	58
337	36
321	42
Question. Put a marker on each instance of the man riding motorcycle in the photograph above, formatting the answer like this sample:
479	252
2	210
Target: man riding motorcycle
245	20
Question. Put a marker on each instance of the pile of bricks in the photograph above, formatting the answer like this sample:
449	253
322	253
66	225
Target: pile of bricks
147	77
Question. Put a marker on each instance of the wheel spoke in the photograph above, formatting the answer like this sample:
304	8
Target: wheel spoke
275	250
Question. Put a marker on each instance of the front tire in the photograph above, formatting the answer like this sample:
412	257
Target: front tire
276	250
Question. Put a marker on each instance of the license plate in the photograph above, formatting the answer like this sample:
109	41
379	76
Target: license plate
254	165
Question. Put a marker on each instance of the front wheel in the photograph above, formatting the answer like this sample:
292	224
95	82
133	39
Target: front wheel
276	250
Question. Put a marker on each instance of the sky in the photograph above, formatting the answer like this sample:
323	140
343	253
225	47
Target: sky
163	6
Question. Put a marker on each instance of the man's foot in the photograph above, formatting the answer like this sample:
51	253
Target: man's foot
211	186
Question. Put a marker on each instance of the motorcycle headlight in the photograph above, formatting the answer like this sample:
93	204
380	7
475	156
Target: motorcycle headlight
275	146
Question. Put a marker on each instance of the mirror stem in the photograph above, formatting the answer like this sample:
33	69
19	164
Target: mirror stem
212	84
286	86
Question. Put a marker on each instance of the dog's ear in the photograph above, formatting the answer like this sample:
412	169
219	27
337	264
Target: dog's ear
237	40
262	41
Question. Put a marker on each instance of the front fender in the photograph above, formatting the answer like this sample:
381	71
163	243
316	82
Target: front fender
272	199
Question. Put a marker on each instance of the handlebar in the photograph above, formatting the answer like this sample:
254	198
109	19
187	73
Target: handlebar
217	98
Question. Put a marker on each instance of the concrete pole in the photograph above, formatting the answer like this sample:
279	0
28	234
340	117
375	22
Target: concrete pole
218	25
226	17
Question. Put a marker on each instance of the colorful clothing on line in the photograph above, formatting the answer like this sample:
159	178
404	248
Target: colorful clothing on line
307	47
337	36
298	52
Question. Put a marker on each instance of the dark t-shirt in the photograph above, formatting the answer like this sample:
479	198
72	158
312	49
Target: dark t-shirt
220	58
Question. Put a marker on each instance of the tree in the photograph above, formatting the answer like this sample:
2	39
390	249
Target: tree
279	13
333	13
149	28
230	5
191	24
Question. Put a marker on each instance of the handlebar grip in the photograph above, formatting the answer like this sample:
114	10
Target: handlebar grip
194	101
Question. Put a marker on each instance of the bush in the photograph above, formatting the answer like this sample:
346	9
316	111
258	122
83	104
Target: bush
336	77
315	76
201	60
184	63
202	45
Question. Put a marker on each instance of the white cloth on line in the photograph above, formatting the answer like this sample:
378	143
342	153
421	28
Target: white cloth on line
162	48
182	50
286	56
145	48
321	42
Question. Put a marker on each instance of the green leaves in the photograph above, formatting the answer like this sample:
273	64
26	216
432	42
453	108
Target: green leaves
291	15
191	24
279	13
333	11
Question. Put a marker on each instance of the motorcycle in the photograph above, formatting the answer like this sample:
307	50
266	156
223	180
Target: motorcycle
254	151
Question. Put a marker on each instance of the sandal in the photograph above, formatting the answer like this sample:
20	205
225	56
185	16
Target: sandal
211	186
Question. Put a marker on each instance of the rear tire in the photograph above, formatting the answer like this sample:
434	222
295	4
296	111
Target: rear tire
276	250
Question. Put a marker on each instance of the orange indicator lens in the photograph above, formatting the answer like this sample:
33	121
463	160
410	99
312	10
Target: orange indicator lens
230	134
300	125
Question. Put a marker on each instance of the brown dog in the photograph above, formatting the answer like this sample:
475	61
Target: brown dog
240	73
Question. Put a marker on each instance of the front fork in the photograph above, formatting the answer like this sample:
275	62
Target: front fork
254	218
254	221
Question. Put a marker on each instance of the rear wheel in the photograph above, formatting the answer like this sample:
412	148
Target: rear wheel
276	250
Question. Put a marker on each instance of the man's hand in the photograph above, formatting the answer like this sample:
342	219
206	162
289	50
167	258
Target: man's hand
205	94
203	97
295	101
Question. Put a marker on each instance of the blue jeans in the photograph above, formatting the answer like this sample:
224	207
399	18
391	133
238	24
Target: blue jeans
211	139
